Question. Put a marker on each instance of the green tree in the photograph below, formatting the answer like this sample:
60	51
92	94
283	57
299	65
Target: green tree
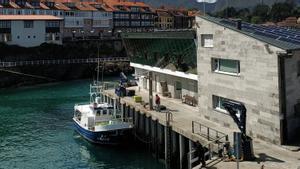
296	12
227	13
262	11
256	20
280	11
244	14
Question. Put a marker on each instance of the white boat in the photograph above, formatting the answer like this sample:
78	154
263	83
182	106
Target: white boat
101	122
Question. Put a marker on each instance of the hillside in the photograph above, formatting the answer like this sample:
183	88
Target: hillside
219	5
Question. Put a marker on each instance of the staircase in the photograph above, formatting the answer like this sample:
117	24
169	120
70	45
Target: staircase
215	142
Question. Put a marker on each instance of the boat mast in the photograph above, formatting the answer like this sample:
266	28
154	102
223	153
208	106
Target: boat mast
98	66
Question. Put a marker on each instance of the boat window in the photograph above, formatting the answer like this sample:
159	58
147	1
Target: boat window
104	112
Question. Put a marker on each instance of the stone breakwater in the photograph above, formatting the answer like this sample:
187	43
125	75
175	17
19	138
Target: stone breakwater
30	75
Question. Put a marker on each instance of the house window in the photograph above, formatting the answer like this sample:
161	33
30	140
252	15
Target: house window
226	66
207	40
28	24
218	103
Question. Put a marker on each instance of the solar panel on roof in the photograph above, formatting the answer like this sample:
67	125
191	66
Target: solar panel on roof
272	32
279	33
289	40
228	22
269	35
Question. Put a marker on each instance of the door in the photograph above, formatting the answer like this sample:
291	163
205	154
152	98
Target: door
178	90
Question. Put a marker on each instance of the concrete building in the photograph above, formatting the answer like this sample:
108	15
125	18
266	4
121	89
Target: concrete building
171	58
248	64
30	30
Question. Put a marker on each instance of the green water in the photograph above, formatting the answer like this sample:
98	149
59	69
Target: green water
36	132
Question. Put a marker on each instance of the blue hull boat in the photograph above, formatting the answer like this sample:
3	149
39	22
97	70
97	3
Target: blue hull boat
113	137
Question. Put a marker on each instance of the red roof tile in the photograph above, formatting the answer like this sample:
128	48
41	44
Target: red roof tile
115	3
61	6
43	6
29	17
14	5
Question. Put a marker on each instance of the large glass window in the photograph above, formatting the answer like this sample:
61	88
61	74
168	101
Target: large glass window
226	66
218	103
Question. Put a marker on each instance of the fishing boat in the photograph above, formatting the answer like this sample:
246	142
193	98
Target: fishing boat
100	122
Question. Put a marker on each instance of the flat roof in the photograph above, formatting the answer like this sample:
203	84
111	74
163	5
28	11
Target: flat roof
29	17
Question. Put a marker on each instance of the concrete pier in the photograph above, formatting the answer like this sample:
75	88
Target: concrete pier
152	127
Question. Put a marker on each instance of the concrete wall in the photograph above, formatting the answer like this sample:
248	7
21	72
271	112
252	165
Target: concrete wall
292	81
189	87
256	86
28	37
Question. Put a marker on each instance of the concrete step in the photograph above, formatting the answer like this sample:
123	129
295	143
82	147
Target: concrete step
210	163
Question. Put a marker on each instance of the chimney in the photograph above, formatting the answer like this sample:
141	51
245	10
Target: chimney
239	24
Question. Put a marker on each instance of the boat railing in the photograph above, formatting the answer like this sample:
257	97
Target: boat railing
127	120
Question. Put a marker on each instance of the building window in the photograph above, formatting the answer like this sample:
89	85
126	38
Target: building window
226	66
5	24
52	24
28	24
218	103
207	40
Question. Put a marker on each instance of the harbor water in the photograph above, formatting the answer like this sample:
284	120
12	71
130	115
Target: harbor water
36	132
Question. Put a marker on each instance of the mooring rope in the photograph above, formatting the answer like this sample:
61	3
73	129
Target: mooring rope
30	75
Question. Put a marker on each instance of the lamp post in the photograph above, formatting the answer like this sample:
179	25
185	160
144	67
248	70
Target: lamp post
92	32
82	32
73	34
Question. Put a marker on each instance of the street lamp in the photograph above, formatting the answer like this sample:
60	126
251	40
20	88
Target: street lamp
82	31
119	33
73	34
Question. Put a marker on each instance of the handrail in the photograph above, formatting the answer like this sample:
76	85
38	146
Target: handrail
208	130
61	61
219	137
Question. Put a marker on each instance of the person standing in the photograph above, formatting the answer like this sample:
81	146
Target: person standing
201	151
157	102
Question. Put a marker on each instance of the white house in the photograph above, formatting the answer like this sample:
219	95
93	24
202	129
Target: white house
30	30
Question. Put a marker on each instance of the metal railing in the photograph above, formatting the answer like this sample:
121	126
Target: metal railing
214	137
62	61
209	133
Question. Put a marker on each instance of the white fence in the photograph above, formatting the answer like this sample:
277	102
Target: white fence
62	61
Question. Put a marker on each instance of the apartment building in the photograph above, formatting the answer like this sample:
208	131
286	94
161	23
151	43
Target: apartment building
30	30
33	7
131	16
164	20
257	66
83	19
